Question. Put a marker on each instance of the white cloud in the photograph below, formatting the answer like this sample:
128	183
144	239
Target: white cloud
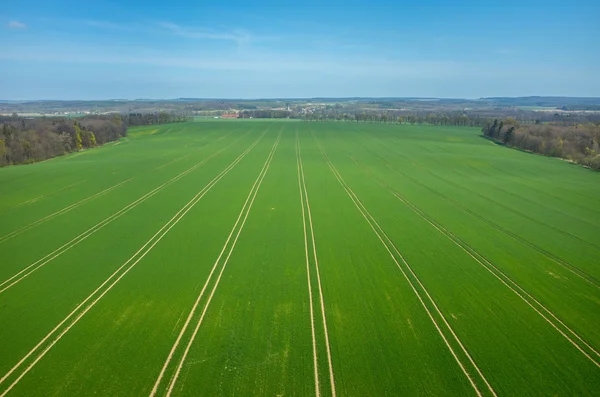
271	62
16	25
255	62
239	36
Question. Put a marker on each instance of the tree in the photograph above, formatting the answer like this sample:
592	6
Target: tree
88	139
508	137
3	151
494	129
78	141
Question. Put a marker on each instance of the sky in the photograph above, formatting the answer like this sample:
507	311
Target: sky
301	49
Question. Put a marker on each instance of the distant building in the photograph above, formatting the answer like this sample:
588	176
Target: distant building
229	116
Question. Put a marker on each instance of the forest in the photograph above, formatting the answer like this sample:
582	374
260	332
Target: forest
25	140
579	143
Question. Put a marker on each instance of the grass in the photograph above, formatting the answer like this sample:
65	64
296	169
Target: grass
441	265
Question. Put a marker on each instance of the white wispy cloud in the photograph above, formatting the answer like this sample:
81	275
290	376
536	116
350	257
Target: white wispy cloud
256	62
238	35
16	25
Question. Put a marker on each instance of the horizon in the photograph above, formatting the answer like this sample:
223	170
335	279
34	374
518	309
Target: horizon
295	98
266	50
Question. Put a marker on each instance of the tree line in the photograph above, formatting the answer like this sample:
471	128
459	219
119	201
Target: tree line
337	114
28	140
265	114
579	143
162	117
431	118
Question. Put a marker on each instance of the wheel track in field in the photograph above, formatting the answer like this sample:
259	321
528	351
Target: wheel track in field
532	177
518	213
33	200
305	205
43	347
508	208
568	200
237	230
62	211
310	298
552	257
550	317
22	274
395	254
81	202
193	151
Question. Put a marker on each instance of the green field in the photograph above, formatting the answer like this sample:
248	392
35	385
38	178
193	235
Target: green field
289	258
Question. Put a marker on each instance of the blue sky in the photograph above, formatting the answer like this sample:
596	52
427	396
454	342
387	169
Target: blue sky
260	49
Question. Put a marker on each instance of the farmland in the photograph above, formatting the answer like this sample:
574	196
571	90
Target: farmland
298	258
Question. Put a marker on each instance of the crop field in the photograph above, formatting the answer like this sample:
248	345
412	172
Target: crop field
290	258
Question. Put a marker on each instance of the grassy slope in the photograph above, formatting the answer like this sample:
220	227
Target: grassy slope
534	218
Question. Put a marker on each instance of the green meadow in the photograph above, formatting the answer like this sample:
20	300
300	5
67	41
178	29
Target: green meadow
229	257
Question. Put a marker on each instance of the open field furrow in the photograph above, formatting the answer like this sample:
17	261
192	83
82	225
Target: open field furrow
64	326
476	166
472	299
522	214
255	339
577	341
307	257
524	185
6	284
306	208
188	154
393	251
554	258
565	193
422	261
484	195
16	218
577	271
36	199
60	212
207	136
526	182
241	220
